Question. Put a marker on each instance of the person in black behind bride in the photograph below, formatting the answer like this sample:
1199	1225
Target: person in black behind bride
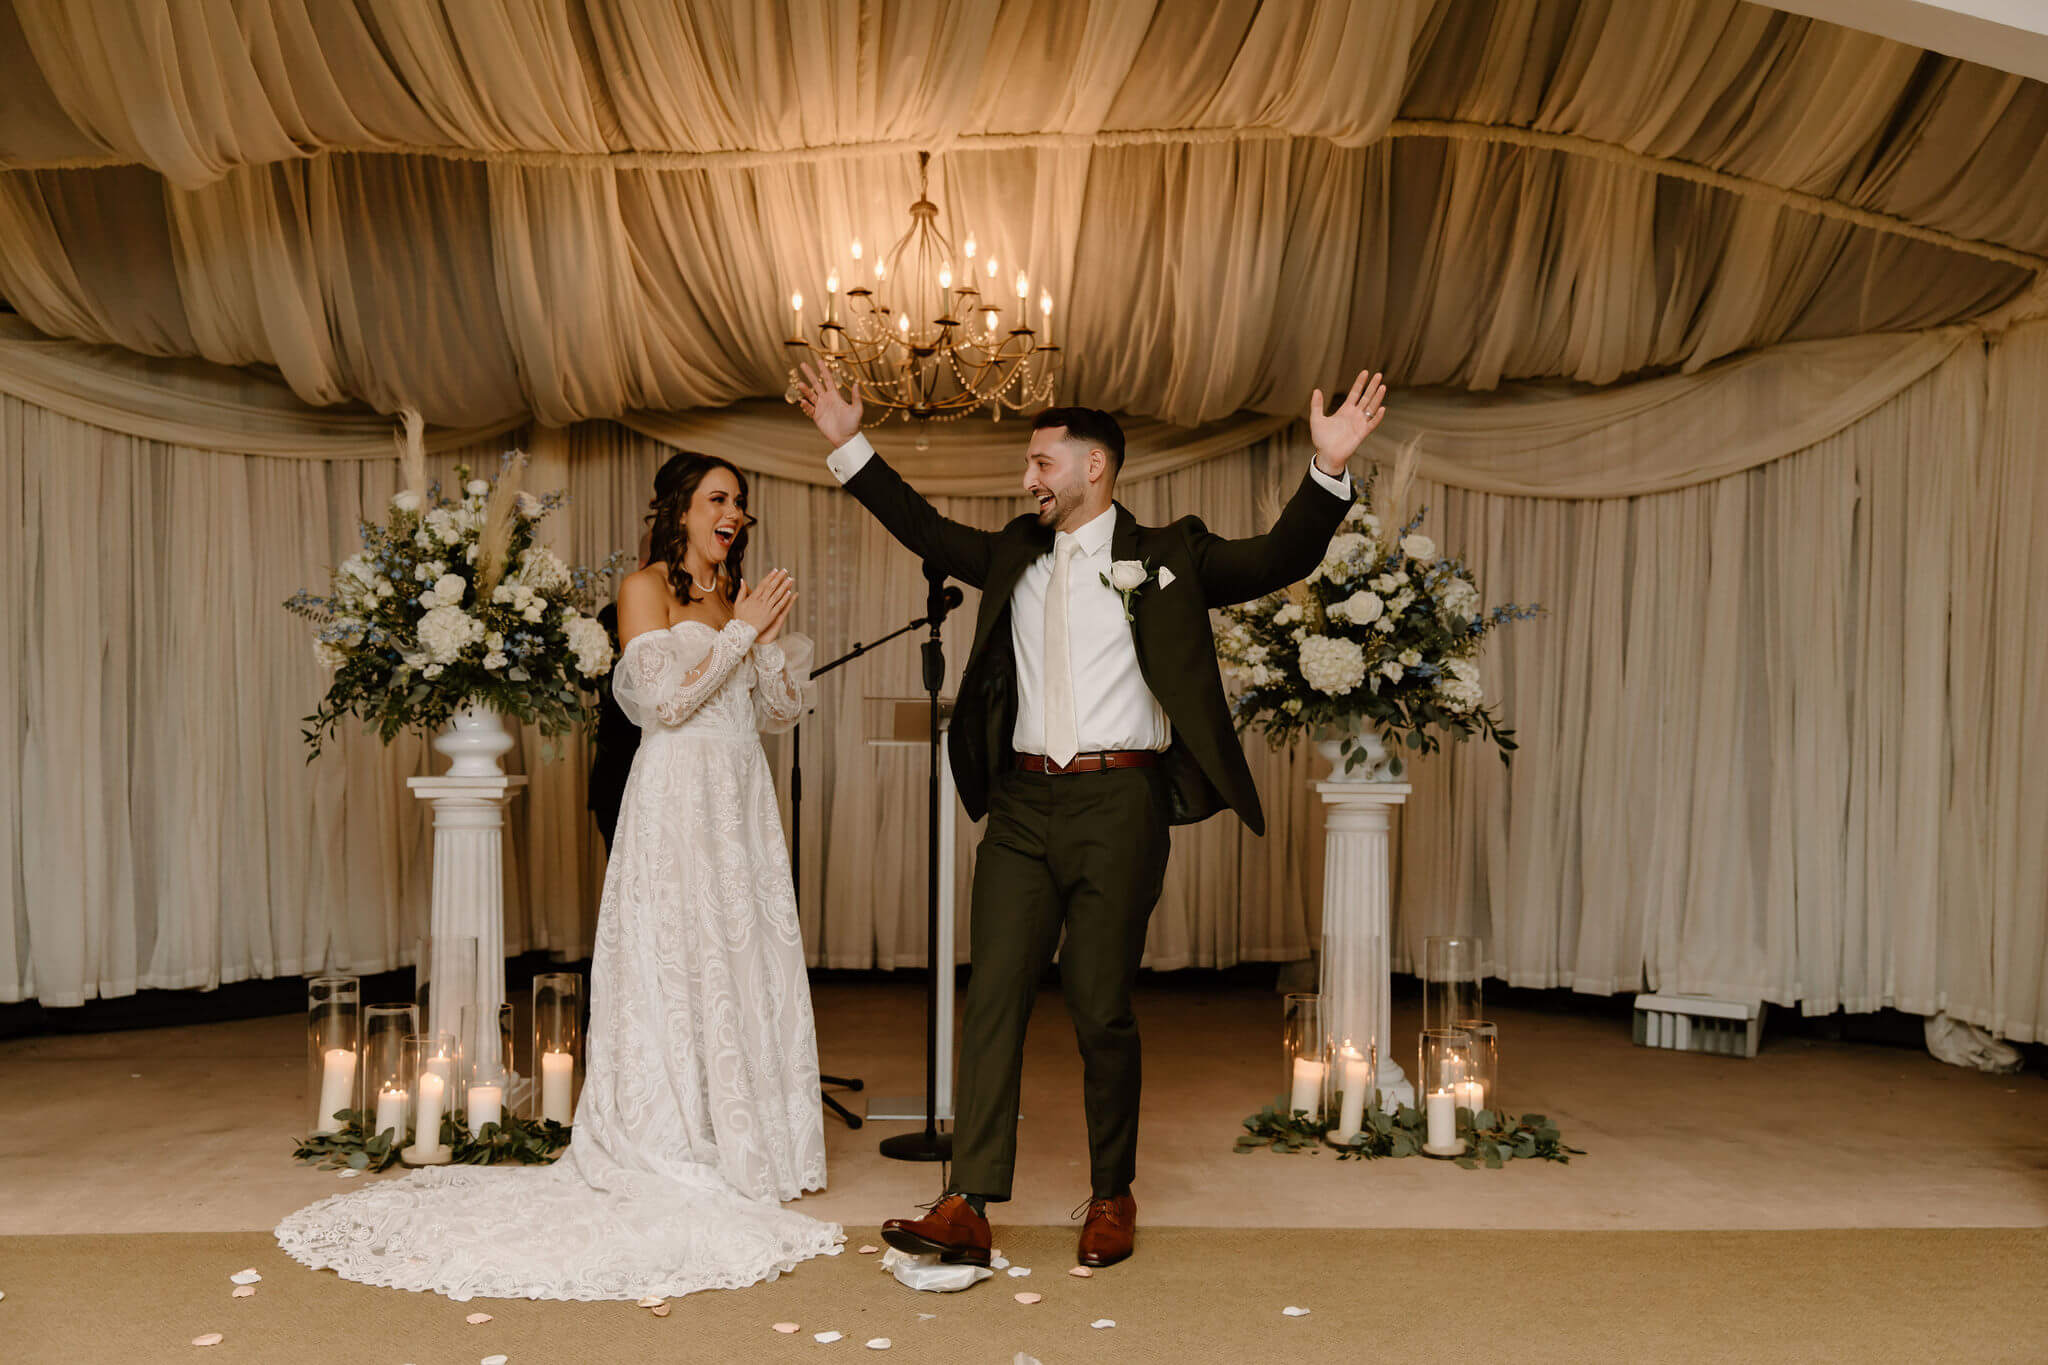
617	739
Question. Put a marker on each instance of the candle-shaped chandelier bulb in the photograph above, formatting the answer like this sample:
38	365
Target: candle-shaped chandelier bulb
1023	286
991	267
970	246
832	283
1045	302
989	319
945	277
881	269
796	303
903	323
856	248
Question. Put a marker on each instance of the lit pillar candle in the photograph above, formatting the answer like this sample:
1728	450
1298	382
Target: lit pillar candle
433	1096
1440	1110
1356	1079
1308	1086
1471	1095
556	1068
391	1113
337	1086
486	1105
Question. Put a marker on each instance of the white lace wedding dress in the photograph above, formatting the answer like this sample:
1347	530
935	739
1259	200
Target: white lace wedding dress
700	1107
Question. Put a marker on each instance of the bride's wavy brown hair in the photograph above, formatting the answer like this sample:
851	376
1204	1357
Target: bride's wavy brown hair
675	486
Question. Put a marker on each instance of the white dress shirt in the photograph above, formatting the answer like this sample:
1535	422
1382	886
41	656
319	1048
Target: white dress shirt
1114	709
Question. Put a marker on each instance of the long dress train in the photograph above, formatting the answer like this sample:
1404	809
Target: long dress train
700	1106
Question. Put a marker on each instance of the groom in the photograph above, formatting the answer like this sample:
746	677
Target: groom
1090	718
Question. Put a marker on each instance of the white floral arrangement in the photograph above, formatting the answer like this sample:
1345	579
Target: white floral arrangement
449	603
1383	633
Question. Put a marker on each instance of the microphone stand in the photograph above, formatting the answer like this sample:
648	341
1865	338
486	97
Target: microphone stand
938	602
931	1144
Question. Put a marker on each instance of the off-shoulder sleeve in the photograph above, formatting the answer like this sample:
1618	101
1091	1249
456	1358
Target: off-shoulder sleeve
783	690
665	675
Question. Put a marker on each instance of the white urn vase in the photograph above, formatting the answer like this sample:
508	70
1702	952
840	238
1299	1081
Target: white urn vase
1371	759
473	740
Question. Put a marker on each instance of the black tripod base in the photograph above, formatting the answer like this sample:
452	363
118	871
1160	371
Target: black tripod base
925	1146
853	1120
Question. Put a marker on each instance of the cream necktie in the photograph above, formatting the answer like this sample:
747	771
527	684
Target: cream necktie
1062	739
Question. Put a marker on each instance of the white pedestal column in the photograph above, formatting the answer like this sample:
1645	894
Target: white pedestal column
469	887
1357	922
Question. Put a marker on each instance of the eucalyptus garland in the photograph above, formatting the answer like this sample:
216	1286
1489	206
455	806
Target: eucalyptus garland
1491	1139
527	1142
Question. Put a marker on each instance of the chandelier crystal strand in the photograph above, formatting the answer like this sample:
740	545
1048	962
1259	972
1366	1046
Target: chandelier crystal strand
926	341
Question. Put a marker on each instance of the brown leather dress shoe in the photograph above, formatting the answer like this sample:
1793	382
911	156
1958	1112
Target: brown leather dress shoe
951	1228
1110	1231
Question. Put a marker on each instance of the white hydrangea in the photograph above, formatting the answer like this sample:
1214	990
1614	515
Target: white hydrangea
1418	546
1361	608
406	500
445	631
328	656
1459	688
1464	670
1288	614
442	523
1332	666
1345	553
1459	598
593	648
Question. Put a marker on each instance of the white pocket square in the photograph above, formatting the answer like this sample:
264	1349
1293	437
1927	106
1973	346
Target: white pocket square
1165	577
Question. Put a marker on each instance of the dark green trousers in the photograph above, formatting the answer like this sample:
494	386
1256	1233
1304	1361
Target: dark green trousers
1083	852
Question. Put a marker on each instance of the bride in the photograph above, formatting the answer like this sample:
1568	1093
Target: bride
700	1110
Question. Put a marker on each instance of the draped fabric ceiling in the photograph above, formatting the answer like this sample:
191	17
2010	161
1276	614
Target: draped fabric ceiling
578	210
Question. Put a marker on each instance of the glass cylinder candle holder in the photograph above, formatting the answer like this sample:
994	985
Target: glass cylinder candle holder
1304	1046
557	1045
434	1058
334	1048
387	1069
490	1074
1451	967
445	976
1483	1076
1353	1068
1441	1071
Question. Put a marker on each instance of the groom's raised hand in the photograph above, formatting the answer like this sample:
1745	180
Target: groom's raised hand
1337	435
837	416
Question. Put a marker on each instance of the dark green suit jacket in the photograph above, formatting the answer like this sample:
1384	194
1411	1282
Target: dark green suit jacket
1176	649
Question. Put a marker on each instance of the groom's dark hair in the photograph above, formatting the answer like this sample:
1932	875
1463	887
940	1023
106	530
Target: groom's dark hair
1090	426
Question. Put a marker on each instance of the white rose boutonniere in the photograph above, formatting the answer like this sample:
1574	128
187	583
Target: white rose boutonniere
1129	577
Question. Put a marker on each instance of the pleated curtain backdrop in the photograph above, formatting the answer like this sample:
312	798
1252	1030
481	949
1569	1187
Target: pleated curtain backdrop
1773	725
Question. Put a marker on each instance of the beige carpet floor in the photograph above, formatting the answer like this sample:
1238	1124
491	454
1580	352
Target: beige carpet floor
1191	1294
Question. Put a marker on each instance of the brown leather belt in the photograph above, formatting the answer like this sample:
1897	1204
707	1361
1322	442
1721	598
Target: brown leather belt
1100	761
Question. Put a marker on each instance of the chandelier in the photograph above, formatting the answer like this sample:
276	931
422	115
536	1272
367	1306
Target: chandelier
925	333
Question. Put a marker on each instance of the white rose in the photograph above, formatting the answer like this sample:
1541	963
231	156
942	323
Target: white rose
1418	546
406	500
423	539
1409	658
384	588
1391	671
1127	574
476	488
1362	608
1330	665
329	657
442	523
449	588
529	505
495	661
1464	670
1288	614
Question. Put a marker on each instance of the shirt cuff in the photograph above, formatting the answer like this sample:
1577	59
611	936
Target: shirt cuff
1337	487
852	457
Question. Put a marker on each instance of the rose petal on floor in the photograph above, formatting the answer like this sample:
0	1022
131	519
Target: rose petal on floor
1103	1322
1291	1311
348	1173
878	1344
243	1291
477	1319
869	1250
650	1302
926	1317
998	1261
248	1276
826	1338
1027	1297
209	1339
659	1311
1082	1272
492	1360
1018	1272
786	1328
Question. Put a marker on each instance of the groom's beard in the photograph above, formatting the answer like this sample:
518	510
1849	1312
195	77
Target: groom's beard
1065	501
